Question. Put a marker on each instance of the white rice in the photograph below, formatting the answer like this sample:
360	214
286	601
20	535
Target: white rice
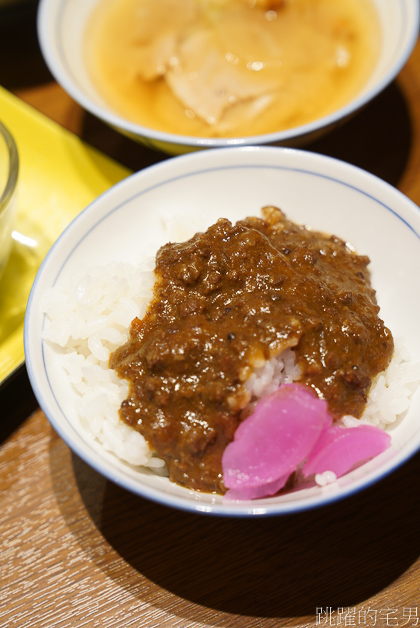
89	317
265	379
389	397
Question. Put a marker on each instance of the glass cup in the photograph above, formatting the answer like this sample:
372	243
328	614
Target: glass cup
9	168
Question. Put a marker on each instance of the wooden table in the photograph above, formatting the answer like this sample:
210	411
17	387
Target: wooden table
76	550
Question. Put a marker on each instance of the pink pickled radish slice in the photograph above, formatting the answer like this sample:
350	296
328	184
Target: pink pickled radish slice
275	439
255	492
339	448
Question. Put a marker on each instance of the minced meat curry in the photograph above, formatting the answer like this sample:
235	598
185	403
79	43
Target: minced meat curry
224	302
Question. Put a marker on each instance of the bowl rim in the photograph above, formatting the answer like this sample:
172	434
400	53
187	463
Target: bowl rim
13	173
100	464
149	136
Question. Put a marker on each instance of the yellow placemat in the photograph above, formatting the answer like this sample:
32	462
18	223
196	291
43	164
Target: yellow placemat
59	176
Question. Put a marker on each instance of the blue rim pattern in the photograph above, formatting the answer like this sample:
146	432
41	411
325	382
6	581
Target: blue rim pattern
189	506
150	136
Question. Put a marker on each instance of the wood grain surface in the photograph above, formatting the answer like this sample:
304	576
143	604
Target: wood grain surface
77	550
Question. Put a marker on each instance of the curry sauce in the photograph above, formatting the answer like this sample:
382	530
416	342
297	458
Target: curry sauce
226	301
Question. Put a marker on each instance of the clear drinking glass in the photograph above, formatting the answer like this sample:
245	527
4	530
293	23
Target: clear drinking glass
9	168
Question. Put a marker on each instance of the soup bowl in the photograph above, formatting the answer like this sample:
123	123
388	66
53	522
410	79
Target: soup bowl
62	32
173	200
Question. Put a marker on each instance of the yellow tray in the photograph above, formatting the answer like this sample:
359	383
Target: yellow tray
59	176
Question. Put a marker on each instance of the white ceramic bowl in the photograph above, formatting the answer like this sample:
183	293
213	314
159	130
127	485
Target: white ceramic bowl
9	169
197	189
61	25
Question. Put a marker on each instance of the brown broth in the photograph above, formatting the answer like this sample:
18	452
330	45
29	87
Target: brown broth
276	69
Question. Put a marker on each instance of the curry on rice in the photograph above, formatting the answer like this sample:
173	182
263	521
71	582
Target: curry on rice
225	302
